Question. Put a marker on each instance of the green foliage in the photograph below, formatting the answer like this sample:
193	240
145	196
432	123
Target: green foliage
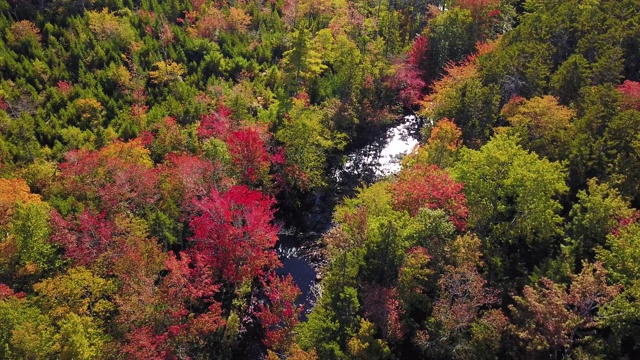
27	333
365	346
80	338
30	227
595	216
543	126
451	39
512	196
79	293
308	137
302	63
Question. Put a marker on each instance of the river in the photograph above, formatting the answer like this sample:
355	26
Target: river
378	158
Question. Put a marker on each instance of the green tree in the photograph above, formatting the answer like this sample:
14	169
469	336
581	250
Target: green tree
597	213
308	137
30	227
570	77
78	292
26	332
461	96
301	63
451	39
512	198
621	257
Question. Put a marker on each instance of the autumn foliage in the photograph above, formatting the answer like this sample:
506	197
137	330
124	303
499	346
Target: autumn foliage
430	187
152	153
233	237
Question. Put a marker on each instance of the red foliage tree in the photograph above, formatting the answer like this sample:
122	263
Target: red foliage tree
418	56
64	87
233	234
408	83
6	292
180	311
280	314
382	307
217	124
248	150
118	177
429	187
630	91
552	319
462	295
186	177
85	238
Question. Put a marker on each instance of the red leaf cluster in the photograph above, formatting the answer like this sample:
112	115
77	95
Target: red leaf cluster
6	292
630	91
429	187
119	176
248	150
382	307
280	314
84	239
233	233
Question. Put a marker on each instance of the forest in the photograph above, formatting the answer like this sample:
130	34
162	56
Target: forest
152	152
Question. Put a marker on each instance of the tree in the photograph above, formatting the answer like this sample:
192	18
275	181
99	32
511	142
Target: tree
543	125
167	72
621	256
512	199
78	292
465	307
233	236
118	177
443	143
419	56
14	191
108	27
302	63
451	39
552	320
413	279
364	345
188	314
461	96
570	77
280	314
382	307
86	241
630	91
429	187
406	81
36	255
596	214
27	333
247	147
621	151
308	137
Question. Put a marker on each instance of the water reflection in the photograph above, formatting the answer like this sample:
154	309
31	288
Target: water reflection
382	156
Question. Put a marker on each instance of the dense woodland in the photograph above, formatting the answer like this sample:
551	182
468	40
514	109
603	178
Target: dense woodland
149	148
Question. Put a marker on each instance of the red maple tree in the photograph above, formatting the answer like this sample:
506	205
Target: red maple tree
430	187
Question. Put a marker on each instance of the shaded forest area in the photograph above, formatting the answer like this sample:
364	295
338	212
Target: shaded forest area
145	147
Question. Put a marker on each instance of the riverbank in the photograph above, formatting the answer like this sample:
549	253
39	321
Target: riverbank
300	248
